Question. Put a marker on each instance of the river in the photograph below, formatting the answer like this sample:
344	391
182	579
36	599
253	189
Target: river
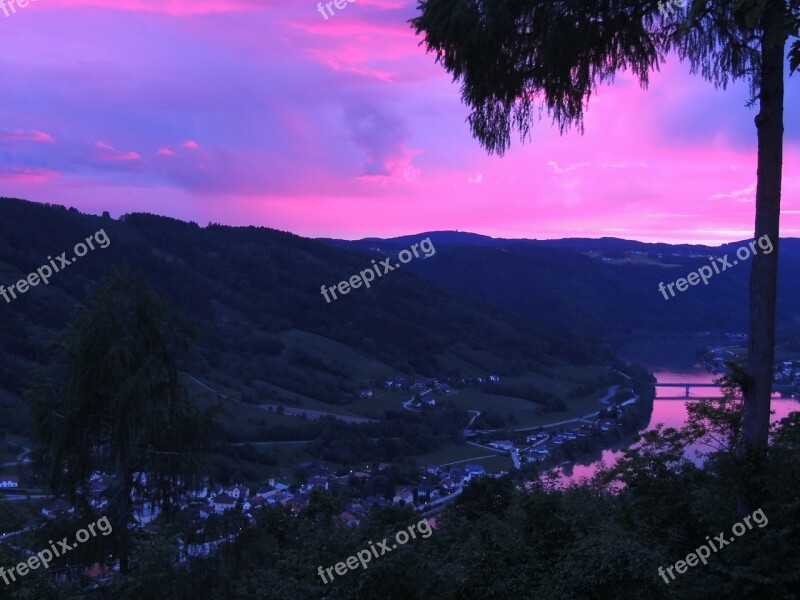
669	406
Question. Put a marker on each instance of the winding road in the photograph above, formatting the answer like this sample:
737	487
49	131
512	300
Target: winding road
21	458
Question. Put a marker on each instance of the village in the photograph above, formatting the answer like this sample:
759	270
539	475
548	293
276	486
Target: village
785	372
427	491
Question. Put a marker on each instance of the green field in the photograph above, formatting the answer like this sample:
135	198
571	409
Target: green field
360	367
246	419
526	412
530	414
382	400
467	454
496	464
454	453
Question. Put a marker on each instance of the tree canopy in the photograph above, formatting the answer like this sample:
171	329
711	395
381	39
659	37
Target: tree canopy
113	402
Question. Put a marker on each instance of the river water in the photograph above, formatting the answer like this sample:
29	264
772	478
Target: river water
669	406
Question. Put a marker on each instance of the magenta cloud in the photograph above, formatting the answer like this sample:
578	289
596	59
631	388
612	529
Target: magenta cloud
262	112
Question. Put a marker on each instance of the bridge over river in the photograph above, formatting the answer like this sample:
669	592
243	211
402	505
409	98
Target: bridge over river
688	386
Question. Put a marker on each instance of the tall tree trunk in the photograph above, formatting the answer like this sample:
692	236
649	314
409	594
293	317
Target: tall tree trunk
764	274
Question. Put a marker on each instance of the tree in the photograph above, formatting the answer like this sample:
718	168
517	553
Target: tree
518	58
113	400
717	422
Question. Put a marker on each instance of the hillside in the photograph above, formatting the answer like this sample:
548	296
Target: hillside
605	287
266	337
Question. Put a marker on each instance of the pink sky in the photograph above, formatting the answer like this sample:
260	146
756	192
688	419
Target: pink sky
262	112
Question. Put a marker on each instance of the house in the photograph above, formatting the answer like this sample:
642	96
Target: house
254	503
281	487
474	471
606	424
494	378
383	466
207	491
447	483
538	437
502	445
265	491
238	491
9	481
424	382
365	393
57	508
541	451
426	491
214	490
443	388
316	482
223	503
558	439
297	503
281	497
405	496
432	469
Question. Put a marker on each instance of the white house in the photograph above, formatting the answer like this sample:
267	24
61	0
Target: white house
238	491
474	470
223	503
9	481
426	490
316	482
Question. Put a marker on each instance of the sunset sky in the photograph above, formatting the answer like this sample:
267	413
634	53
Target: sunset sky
262	112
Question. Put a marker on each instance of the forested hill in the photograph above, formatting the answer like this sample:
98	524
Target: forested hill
245	288
604	286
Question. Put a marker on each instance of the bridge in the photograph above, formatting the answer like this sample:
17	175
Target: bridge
775	388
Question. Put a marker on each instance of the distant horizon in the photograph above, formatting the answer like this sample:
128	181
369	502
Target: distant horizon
400	235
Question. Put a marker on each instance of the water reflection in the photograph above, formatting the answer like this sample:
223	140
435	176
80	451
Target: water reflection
669	408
